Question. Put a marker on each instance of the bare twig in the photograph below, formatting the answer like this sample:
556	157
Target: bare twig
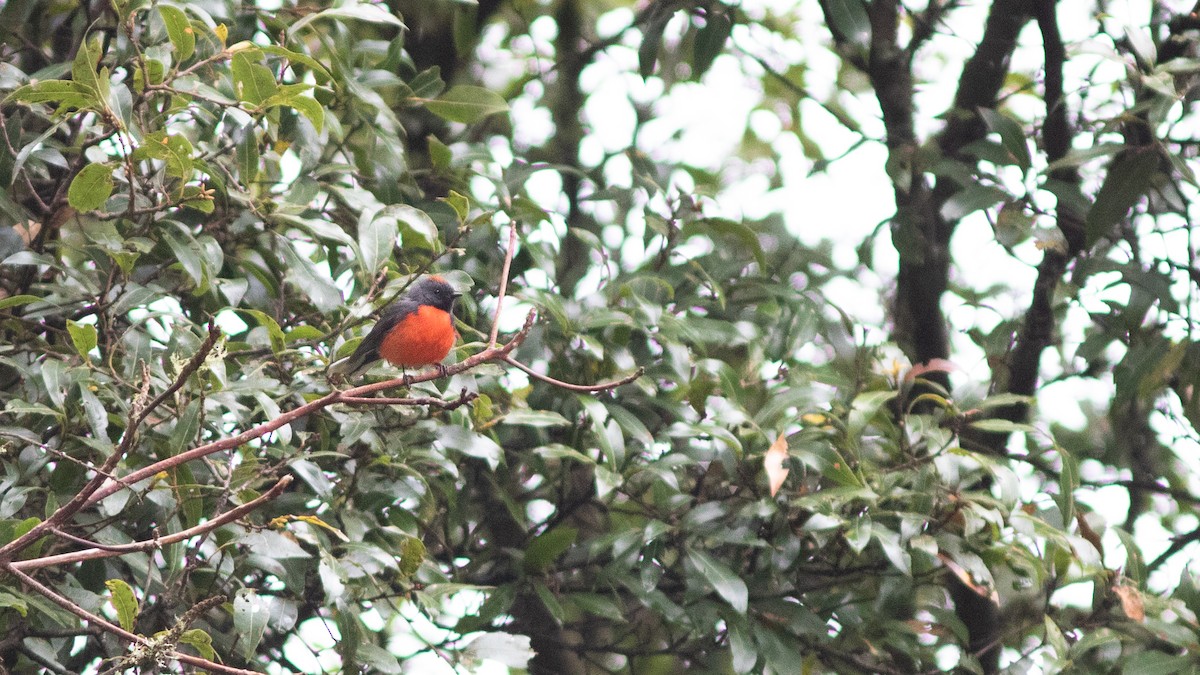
463	398
604	386
508	256
109	551
67	604
137	415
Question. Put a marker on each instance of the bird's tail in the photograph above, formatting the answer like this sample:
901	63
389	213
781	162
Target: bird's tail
349	366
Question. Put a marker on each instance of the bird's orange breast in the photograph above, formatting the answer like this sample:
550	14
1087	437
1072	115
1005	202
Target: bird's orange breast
422	338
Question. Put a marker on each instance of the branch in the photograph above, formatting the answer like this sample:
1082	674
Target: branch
137	414
67	604
463	398
109	551
587	388
508	256
1037	329
493	354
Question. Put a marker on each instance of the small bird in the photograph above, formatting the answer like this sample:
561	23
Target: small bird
416	330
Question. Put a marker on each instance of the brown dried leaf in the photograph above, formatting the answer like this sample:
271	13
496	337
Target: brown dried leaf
1131	602
965	577
1089	534
773	461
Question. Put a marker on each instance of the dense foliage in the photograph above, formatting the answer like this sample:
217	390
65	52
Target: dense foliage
673	437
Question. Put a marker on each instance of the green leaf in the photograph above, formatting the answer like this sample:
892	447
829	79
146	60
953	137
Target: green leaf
1002	426
274	332
1129	177
310	108
412	554
189	495
546	547
149	72
296	57
536	418
83	336
849	19
553	606
458	202
186	252
1055	638
67	94
1012	136
427	83
196	197
894	550
187	425
83	70
728	585
53	375
14	602
364	12
120	102
1153	662
974	197
710	41
417	229
454	437
96	413
250	615
199	640
312	282
253	82
1001	400
124	602
17	300
1068	482
293	96
1135	567
376	238
724	230
467	104
249	154
91	187
175	150
652	35
179	31
743	652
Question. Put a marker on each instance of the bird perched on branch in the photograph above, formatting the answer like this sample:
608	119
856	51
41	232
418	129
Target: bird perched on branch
416	330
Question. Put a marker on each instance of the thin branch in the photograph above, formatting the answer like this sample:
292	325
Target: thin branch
508	256
137	415
49	593
109	551
604	386
1177	544
67	604
464	398
494	354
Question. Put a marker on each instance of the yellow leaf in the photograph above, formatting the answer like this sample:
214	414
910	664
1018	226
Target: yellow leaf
311	520
773	461
222	32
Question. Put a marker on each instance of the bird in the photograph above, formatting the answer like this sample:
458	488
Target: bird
416	330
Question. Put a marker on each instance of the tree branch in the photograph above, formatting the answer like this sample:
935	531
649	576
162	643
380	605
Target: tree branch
67	604
587	388
137	415
109	551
